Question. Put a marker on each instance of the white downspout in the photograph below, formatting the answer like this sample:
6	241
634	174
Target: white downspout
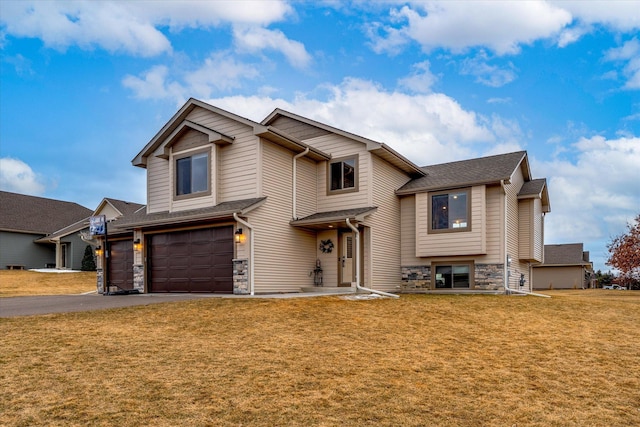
357	244
506	252
251	251
295	178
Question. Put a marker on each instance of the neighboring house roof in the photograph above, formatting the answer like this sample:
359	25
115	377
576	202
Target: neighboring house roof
179	121
378	148
37	215
219	211
121	206
564	255
70	229
483	170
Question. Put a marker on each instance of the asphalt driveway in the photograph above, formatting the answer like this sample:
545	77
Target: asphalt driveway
36	305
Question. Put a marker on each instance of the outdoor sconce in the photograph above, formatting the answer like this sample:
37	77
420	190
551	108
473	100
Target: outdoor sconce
508	261
137	246
239	236
99	251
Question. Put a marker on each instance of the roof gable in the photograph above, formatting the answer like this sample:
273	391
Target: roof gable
179	121
314	128
463	173
37	215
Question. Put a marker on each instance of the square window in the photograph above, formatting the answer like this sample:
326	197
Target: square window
343	174
450	211
192	174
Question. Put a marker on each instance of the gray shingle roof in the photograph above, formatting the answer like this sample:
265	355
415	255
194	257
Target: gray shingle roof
143	219
37	215
126	208
533	187
483	170
564	254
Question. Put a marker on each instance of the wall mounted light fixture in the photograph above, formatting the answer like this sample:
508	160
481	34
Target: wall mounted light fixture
239	236
137	246
98	250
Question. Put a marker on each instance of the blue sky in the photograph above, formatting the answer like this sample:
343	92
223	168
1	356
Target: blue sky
85	85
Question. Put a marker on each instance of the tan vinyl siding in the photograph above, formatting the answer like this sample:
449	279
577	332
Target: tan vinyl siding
340	147
453	243
408	232
158	185
538	231
525	225
285	254
329	261
385	226
307	197
495	228
237	163
190	139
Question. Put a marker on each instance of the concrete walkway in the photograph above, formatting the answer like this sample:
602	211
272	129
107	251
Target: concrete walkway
38	305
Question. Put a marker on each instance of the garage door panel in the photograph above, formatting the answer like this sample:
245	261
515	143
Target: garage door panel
192	261
120	264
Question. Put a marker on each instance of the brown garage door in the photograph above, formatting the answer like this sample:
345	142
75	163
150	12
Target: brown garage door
120	264
192	261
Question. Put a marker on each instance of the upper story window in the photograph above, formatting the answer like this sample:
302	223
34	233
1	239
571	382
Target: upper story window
450	211
192	174
343	175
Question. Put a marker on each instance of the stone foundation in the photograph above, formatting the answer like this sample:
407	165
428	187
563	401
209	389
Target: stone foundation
100	280
489	276
241	277
486	277
416	277
138	277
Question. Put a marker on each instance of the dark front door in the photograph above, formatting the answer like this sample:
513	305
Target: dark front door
192	261
120	264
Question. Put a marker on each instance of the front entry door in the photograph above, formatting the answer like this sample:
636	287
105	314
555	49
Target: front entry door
347	253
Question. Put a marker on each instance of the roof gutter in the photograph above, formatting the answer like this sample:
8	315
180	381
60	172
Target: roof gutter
357	244
251	251
295	187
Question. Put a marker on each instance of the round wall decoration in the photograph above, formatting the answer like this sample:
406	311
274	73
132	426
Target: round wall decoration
326	246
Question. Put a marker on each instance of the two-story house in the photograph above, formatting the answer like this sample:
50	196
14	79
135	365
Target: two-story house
236	206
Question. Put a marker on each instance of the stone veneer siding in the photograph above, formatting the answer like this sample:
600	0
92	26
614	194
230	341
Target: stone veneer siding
486	277
138	277
489	276
100	280
241	277
416	277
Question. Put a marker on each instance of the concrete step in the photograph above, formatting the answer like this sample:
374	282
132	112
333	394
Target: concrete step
329	289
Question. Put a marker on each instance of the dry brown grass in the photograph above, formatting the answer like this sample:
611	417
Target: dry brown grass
15	283
422	360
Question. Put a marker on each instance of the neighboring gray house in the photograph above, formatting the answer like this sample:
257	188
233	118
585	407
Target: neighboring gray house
565	266
35	232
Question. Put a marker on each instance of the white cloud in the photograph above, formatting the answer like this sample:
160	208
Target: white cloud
594	195
618	15
87	24
420	80
18	177
457	26
628	53
219	72
489	75
426	128
129	27
255	39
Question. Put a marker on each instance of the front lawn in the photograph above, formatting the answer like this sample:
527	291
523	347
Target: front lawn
571	360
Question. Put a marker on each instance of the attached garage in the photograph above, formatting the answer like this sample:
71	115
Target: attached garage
198	260
120	264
